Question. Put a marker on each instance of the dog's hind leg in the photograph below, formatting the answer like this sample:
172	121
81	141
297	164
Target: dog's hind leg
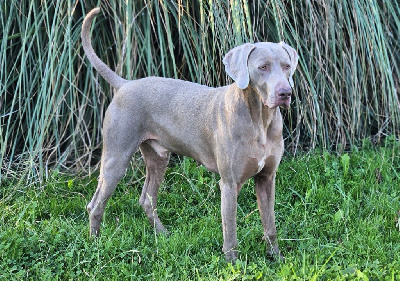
113	168
156	165
118	148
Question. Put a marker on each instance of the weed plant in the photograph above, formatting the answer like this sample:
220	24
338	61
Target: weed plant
52	103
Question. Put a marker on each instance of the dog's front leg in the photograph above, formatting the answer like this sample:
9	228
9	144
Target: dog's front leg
228	214
265	191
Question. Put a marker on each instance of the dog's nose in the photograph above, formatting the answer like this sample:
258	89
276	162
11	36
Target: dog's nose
284	93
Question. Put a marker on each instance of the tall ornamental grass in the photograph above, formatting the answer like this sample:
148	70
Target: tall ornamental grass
52	102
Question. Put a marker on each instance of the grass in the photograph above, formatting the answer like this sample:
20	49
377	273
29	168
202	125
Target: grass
336	218
337	214
52	102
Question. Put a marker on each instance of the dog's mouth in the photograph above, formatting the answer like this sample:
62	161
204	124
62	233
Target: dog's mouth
279	102
284	102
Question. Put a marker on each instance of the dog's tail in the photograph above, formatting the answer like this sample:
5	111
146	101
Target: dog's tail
111	77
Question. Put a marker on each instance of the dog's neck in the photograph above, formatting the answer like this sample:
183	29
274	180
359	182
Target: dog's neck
260	114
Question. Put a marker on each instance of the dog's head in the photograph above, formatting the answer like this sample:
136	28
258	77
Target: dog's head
266	67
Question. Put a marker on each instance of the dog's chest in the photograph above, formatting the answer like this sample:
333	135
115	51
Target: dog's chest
261	163
269	152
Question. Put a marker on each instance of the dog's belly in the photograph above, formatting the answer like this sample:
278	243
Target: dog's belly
210	165
205	159
163	150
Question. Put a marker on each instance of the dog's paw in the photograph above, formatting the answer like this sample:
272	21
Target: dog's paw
276	255
160	229
231	256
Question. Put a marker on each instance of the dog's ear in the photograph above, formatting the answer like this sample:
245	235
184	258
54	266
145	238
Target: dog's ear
236	64
294	59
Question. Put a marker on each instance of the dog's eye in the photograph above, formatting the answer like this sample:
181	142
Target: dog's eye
265	66
287	66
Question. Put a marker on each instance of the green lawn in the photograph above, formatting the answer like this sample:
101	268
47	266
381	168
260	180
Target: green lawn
337	218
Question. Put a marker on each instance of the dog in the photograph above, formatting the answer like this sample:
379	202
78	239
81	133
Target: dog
235	131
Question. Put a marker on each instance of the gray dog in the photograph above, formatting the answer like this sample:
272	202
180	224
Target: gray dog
235	131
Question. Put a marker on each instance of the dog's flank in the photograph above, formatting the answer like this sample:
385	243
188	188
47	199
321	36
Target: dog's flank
234	130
